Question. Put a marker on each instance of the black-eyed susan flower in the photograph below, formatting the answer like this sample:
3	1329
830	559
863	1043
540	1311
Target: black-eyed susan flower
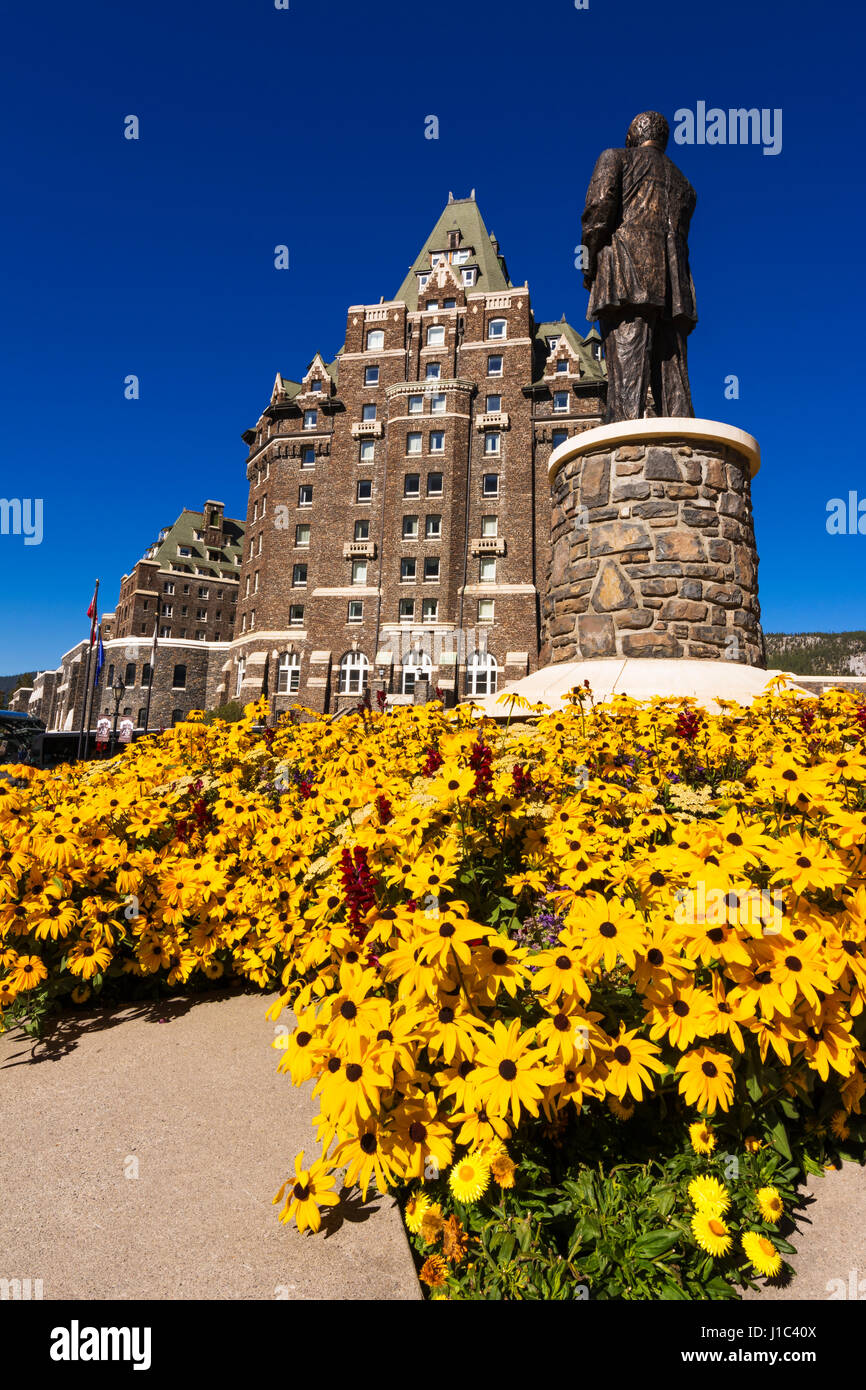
630	1064
706	1079
305	1192
510	1073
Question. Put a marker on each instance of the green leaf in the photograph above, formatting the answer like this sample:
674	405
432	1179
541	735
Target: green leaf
779	1136
654	1243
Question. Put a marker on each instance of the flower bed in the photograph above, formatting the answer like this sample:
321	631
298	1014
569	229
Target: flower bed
586	992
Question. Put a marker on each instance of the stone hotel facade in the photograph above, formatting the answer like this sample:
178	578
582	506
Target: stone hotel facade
398	528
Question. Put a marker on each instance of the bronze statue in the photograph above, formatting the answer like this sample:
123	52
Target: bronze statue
635	230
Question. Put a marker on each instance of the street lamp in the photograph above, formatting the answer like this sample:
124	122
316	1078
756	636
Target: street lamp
118	689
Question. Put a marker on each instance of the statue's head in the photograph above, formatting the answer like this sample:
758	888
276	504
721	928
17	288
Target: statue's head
649	125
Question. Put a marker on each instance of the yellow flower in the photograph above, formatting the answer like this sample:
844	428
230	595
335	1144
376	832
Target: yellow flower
432	1224
711	1232
761	1254
434	1271
708	1194
413	1212
770	1204
502	1169
702	1138
469	1178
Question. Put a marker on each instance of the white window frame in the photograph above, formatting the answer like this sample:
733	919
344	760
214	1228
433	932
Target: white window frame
353	668
493	330
482	670
437	442
375	340
435	336
495	357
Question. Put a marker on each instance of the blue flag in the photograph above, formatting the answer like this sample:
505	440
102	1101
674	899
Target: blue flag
100	657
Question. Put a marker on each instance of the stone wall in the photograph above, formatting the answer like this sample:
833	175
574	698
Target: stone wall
653	555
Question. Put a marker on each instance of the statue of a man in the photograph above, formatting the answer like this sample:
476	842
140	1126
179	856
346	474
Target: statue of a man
635	230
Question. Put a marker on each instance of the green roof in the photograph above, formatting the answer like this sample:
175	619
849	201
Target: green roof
182	533
591	367
460	214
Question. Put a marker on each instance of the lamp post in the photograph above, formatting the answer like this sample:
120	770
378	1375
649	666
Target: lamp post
118	689
275	655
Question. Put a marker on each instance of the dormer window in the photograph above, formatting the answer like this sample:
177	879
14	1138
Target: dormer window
423	281
552	344
437	258
469	276
460	257
561	366
315	385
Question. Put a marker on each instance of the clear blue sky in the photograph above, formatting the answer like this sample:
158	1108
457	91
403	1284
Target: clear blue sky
305	126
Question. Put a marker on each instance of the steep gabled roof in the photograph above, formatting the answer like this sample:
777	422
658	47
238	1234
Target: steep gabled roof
460	214
591	368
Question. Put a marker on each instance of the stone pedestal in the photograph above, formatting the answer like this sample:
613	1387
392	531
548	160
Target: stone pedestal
652	544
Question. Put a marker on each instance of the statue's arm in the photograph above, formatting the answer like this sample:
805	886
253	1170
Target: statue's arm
602	212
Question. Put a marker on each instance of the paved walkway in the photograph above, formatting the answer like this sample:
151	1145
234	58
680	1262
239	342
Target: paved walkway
187	1092
830	1236
190	1090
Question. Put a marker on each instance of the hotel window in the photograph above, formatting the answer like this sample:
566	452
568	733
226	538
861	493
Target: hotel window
302	538
437	404
432	303
241	670
413	443
178	680
362	530
434	484
305	495
487	569
308	456
353	673
485	610
449	303
552	344
431	569
368	451
481	672
407	570
436	259
407	610
296	615
371	376
469	275
165	632
264	504
356	611
129	677
299	576
423	281
430	610
562	366
433	371
252	618
415	664
145	673
493	405
490	525
416	405
310	419
410	528
436	335
289	674
494	366
255	583
496	328
437	442
491	443
412	485
559	437
375	340
368	412
460	257
359	571
255	511
315	386
364	490
201	613
199	637
168	610
490	485
184	550
168	588
560	400
433	528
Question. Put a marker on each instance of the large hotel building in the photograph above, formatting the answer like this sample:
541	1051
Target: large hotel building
397	533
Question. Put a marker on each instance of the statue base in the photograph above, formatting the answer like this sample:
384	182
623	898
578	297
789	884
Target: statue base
652	544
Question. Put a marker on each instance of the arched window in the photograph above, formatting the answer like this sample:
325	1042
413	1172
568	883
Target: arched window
289	674
417	663
481	672
353	673
242	666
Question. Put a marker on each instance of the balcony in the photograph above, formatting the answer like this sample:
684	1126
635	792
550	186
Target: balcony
367	429
487	545
492	420
359	550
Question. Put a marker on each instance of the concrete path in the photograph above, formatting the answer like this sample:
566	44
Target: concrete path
190	1090
830	1236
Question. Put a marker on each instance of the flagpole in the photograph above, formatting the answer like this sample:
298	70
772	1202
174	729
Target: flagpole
94	605
92	693
152	664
